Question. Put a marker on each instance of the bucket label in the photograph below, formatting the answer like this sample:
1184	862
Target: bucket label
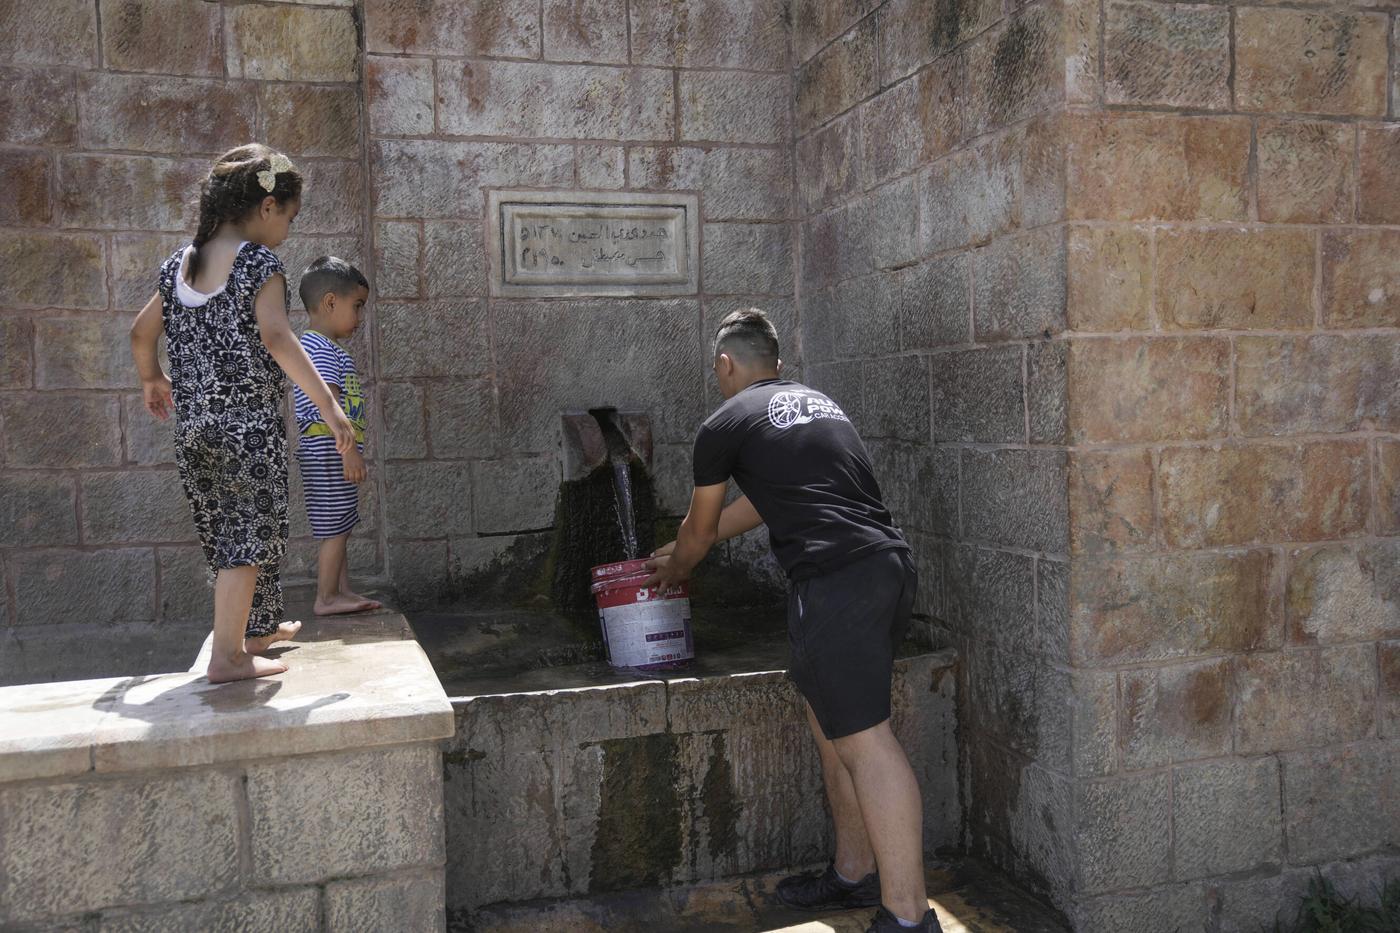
648	633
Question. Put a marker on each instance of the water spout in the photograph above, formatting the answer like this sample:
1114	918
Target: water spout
620	457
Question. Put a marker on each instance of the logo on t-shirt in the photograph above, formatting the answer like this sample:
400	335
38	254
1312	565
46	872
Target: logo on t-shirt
786	409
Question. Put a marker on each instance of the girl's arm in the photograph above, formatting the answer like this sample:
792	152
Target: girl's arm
145	338
270	308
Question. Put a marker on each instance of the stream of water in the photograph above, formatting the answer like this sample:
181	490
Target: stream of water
620	456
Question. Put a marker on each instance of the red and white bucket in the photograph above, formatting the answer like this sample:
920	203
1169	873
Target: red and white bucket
642	626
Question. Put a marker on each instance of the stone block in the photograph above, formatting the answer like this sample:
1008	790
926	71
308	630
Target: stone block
829	164
970	196
634	355
40	109
1388	658
1121	831
991	592
333	197
1109	278
114	192
136	261
26	176
63	32
37	510
1172	909
907	125
602	166
1344	593
175	838
31	441
1387	486
135	505
515	495
454	260
293	911
454	27
839	77
16	352
857	318
935	302
399	95
408	903
432	179
1052	607
749	259
46	270
919	484
1247	905
1212	496
1311	61
1306	173
461	418
1047	392
1361	278
428	500
164	36
1094	699
1148	389
1003	695
291	43
494	98
419	571
1139	167
1019	286
585	31
728	107
817	22
1378	149
386	813
1239	279
896	398
1016	498
1226	817
433	340
887	225
89	351
1167	55
916	32
312	120
1323	384
734	184
843	383
1014	71
1333	801
186	585
978	396
1110	501
708	34
1305	698
1173	606
159	114
397	248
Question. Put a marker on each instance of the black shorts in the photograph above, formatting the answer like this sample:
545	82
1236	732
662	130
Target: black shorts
844	627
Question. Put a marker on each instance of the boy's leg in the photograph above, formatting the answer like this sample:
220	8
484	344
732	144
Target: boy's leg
333	593
233	602
364	602
854	857
892	811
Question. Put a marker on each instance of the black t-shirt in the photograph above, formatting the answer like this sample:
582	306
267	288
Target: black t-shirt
798	458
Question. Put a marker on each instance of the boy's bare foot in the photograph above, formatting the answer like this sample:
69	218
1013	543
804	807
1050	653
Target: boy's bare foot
344	604
258	644
244	667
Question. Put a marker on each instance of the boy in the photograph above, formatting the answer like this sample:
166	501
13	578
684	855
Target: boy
334	293
806	474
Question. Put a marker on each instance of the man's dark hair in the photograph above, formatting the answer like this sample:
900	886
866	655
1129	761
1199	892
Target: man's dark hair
328	274
748	337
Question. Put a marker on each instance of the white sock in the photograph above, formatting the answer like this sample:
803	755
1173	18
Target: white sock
908	924
843	879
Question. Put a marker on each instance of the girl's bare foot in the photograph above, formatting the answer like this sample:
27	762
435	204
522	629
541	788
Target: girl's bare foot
344	604
242	667
258	644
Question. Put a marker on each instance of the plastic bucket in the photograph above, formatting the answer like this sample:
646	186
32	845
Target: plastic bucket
643	627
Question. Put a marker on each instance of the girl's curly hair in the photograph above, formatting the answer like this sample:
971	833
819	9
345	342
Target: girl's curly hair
232	190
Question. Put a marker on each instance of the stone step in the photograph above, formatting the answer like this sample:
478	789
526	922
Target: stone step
967	896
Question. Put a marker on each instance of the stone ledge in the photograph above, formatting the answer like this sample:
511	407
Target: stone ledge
354	683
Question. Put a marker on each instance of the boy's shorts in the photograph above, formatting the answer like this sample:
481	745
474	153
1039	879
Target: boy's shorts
332	502
844	628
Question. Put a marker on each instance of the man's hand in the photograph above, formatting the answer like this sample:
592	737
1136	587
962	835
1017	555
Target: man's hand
665	550
156	394
664	574
355	470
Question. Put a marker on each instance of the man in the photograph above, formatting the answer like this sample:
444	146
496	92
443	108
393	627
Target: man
805	474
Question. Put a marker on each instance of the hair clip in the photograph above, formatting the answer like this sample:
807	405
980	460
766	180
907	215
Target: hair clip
279	164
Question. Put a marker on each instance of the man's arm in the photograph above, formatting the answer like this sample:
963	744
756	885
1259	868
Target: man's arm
699	532
738	517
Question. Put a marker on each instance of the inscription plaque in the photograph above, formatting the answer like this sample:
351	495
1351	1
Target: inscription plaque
573	243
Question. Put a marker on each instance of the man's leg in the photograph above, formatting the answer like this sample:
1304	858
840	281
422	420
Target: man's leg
854	857
892	811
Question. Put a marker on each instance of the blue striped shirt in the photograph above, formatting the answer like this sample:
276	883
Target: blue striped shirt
338	369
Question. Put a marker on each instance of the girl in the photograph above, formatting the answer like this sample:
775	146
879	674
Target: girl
222	305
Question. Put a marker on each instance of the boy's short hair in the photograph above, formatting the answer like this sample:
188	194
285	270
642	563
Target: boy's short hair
328	274
748	336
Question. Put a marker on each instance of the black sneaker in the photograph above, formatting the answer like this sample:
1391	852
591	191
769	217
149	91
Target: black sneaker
886	922
825	890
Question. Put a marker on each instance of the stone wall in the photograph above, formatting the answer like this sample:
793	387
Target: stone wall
112	112
1232	397
932	296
